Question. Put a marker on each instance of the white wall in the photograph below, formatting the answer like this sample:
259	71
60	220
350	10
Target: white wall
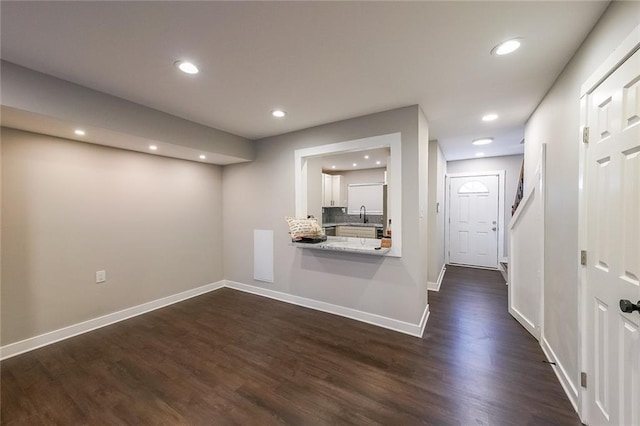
556	122
363	176
314	187
511	164
441	198
423	194
260	194
437	173
352	177
526	261
72	208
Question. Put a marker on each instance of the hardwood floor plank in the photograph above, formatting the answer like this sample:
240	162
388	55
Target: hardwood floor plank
232	358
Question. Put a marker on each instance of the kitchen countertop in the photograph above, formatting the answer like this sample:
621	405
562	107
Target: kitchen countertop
368	246
366	225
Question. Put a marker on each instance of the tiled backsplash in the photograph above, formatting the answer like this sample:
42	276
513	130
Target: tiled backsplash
335	215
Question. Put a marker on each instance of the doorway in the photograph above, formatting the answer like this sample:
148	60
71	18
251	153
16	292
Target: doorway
475	219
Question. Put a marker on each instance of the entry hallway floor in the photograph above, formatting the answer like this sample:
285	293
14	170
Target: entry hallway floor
229	357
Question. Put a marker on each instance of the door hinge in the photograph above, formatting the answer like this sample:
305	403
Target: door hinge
585	134
583	379
583	257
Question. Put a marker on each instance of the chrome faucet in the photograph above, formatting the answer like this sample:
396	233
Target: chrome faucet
365	214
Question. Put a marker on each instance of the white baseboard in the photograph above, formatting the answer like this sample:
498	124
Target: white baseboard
503	271
36	342
436	286
45	339
524	321
568	386
392	324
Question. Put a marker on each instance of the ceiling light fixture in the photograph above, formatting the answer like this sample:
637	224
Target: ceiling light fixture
278	113
377	162
203	157
366	157
333	167
355	164
186	67
479	154
153	147
483	141
506	47
489	117
79	132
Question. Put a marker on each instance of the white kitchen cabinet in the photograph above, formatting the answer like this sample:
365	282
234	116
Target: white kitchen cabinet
356	231
332	191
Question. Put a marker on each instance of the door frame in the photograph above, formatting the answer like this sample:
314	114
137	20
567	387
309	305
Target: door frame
624	51
501	224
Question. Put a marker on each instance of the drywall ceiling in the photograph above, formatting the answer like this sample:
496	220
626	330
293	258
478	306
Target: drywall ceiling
365	159
319	61
25	120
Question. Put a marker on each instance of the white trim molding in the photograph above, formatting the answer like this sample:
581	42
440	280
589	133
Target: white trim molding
514	274
415	330
564	379
503	267
431	286
17	348
624	51
394	206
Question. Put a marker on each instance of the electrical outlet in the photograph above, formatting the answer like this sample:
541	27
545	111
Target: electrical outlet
101	276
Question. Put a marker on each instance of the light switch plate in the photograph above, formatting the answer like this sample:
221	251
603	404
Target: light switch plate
101	276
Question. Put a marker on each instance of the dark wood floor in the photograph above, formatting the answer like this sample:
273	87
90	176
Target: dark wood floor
233	358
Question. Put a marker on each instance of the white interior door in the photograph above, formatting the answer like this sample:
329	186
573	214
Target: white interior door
473	221
613	248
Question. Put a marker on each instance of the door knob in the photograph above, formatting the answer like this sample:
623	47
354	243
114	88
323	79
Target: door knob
628	307
494	228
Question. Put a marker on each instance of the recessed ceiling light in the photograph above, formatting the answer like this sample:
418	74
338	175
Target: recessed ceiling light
333	167
366	157
278	113
483	141
506	47
377	162
79	132
489	117
355	164
203	157
187	67
479	154
153	147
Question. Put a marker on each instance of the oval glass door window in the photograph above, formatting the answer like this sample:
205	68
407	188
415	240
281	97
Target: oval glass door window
473	187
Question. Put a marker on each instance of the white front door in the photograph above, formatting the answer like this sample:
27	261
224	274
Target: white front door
473	221
613	248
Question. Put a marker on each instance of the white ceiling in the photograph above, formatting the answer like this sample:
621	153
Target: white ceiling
320	61
345	161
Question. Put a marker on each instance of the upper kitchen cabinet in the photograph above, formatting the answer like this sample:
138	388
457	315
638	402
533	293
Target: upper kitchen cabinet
332	193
